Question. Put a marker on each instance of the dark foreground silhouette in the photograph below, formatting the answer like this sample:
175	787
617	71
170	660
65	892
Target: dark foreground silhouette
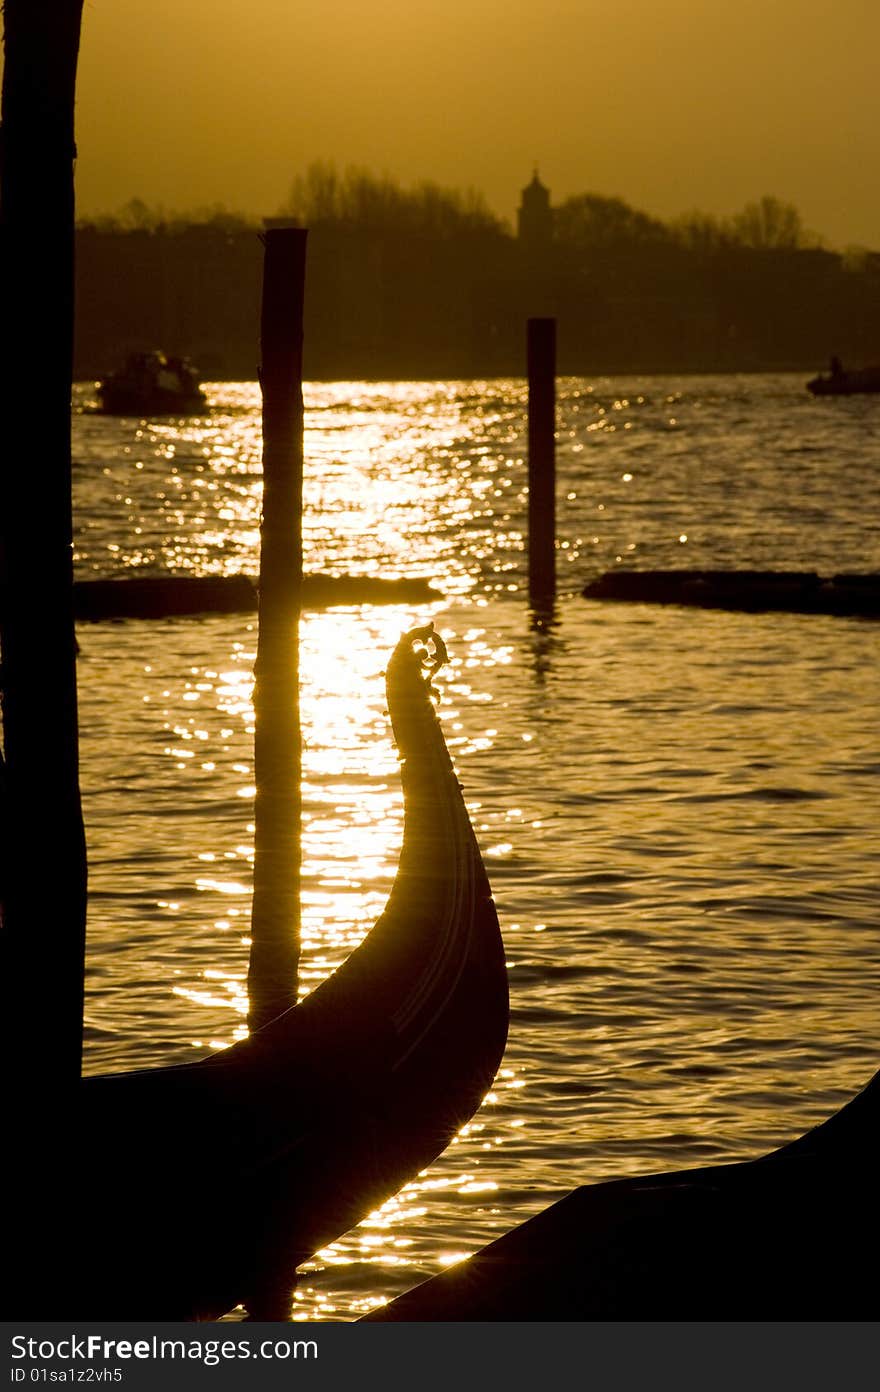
193	1188
791	1236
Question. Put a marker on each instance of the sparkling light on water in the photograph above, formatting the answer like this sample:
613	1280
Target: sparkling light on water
677	808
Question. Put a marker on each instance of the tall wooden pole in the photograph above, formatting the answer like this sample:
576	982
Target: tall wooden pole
43	845
541	359
275	935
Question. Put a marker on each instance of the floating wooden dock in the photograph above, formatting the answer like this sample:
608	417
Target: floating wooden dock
752	591
169	596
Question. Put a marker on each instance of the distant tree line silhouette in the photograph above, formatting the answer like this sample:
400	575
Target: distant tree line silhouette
360	200
429	282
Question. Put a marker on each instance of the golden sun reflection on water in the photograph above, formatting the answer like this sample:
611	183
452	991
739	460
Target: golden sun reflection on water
352	803
352	800
677	809
352	829
396	474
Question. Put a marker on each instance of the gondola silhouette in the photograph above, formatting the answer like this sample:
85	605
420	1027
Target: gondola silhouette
790	1236
204	1185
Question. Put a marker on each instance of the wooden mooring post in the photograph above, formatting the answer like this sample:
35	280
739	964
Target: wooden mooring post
541	361
275	918
42	843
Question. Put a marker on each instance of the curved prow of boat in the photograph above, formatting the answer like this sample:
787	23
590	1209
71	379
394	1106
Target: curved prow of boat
208	1183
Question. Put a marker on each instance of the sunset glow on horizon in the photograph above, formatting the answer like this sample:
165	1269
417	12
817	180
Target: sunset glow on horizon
672	107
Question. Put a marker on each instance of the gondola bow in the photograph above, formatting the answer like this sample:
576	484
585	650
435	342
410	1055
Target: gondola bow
211	1181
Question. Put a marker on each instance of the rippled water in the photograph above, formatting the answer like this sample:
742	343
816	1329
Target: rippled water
676	807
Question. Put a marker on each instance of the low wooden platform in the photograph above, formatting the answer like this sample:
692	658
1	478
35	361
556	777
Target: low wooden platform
167	596
753	591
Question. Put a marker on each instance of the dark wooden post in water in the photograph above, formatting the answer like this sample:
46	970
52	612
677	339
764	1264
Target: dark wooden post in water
275	929
43	846
541	359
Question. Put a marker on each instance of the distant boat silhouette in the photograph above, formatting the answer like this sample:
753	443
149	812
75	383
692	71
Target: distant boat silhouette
151	384
842	381
790	1236
201	1186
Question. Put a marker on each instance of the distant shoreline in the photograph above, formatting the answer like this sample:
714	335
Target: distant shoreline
799	370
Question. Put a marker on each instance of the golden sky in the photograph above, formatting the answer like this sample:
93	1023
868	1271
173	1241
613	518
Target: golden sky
670	104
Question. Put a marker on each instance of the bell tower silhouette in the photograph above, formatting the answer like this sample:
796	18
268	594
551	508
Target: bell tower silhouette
535	216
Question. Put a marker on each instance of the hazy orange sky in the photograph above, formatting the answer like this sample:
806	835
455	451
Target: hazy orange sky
670	104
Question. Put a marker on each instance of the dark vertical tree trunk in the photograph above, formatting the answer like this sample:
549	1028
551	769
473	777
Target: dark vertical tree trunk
43	845
275	937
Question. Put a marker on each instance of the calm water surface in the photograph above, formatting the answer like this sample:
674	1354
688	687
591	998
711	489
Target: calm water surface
676	808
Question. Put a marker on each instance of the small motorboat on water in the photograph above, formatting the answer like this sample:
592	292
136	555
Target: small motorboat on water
198	1187
840	381
151	384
